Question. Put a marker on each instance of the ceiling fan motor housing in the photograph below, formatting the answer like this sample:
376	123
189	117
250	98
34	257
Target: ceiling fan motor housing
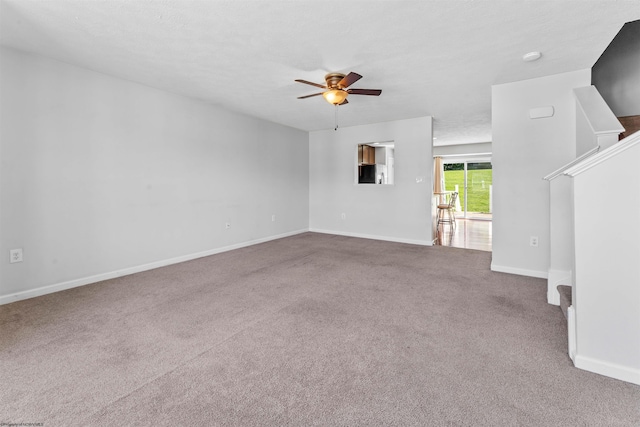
333	79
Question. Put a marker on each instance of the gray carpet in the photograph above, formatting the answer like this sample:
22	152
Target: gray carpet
308	330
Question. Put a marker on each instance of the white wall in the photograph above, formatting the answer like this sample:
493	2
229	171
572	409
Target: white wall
524	151
400	212
586	139
101	176
561	239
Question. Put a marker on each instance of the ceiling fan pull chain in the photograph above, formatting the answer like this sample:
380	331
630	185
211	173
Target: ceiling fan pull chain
336	128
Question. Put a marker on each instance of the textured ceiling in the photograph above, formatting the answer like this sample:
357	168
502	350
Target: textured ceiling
435	58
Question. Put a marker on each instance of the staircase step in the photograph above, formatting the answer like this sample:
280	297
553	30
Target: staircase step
565	298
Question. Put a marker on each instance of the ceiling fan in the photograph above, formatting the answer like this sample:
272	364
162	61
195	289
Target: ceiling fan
336	88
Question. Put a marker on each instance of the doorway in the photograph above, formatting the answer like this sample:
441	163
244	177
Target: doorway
473	180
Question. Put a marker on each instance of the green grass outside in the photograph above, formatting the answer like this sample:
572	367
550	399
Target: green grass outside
478	182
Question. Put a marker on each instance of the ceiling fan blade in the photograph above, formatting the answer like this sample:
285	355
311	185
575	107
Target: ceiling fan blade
349	79
309	96
373	92
311	83
346	101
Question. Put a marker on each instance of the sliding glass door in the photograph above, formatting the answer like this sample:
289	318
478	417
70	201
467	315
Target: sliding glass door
473	182
478	190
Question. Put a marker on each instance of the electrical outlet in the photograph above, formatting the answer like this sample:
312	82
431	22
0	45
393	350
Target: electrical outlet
273	218
533	241
343	216
15	255
228	225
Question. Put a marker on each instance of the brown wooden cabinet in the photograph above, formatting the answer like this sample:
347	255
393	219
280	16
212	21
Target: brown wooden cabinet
366	155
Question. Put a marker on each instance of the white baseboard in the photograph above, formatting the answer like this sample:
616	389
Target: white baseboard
612	370
374	237
519	271
555	278
44	290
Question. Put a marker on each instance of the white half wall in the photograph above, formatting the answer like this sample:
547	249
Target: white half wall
100	175
524	151
607	271
399	212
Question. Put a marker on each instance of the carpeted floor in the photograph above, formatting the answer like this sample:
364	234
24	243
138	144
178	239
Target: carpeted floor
308	330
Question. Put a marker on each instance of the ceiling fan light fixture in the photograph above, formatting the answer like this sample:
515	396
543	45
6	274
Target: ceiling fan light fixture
335	96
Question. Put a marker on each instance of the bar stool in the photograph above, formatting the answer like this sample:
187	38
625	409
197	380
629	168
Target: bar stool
446	211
